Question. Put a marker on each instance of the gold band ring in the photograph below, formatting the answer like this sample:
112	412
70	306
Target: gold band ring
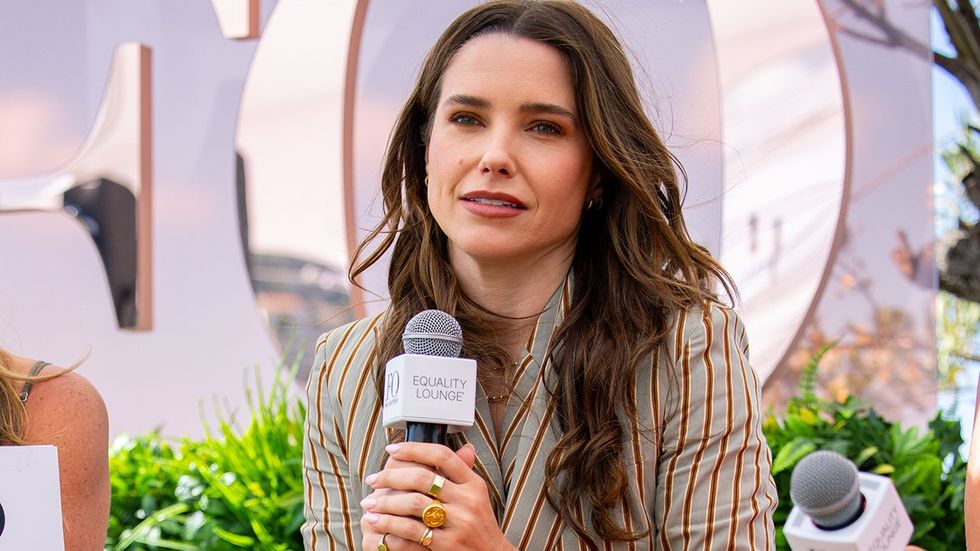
436	487
426	538
382	546
434	515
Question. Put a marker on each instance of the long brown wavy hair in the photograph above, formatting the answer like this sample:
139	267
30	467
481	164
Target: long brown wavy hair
635	264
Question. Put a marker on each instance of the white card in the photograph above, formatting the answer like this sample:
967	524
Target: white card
30	496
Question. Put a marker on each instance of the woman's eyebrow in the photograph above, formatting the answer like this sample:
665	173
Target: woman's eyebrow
469	101
549	108
530	107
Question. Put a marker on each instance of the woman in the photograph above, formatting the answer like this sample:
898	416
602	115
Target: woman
39	405
528	195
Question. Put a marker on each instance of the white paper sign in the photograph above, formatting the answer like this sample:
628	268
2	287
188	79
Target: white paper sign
30	498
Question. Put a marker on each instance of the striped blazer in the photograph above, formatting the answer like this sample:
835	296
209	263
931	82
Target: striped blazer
705	485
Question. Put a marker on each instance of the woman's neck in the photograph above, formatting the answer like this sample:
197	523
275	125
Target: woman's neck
512	290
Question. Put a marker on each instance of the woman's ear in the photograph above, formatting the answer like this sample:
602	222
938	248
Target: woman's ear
595	187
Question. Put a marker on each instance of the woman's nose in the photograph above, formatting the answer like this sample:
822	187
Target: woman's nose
497	157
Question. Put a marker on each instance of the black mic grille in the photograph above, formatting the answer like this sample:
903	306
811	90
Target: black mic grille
433	333
824	485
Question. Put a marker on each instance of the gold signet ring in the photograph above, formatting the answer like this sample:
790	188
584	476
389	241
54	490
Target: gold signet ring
426	538
437	483
434	515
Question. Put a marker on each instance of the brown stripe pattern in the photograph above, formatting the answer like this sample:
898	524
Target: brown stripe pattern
699	462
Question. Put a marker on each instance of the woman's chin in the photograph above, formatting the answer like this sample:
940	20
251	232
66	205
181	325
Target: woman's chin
505	252
498	256
490	252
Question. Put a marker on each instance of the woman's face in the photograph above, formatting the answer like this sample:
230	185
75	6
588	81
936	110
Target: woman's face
508	161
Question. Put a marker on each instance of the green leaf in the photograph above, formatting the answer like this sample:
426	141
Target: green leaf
791	453
234	539
884	469
142	531
864	455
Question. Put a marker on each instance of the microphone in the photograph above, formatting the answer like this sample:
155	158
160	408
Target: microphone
837	508
429	390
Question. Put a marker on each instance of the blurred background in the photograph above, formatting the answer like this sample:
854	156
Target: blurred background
182	184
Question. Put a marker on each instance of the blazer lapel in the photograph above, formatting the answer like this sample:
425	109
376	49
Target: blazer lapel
534	436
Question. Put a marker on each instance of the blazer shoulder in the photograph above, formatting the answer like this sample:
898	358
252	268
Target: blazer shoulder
343	359
698	325
356	334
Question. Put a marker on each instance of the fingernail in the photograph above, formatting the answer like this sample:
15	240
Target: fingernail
371	478
368	503
371	517
393	448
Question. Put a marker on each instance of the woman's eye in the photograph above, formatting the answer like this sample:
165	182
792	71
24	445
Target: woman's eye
463	118
547	128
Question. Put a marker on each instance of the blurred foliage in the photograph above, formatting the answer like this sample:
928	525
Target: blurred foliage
883	358
958	250
926	467
956	205
962	27
957	322
234	489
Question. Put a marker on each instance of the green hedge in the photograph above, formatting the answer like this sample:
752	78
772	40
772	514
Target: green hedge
235	489
243	488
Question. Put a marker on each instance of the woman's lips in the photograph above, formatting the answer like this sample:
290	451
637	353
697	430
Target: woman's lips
492	205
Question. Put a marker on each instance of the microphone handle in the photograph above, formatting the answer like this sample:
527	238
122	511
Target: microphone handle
425	432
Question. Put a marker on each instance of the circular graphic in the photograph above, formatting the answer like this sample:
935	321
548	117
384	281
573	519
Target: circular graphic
3	520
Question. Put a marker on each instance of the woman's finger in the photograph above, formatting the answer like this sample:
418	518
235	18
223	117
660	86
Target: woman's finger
411	480
396	543
445	460
468	455
371	540
392	463
405	504
402	527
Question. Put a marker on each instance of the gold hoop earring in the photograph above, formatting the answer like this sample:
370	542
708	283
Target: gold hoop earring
588	206
426	181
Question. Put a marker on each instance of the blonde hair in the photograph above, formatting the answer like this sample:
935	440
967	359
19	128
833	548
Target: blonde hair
13	414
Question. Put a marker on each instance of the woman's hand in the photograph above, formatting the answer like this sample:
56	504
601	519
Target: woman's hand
370	538
401	494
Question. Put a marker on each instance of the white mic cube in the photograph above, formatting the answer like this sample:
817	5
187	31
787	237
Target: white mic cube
883	526
429	389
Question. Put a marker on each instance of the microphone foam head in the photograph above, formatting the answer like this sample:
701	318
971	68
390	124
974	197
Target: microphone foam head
433	333
824	485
